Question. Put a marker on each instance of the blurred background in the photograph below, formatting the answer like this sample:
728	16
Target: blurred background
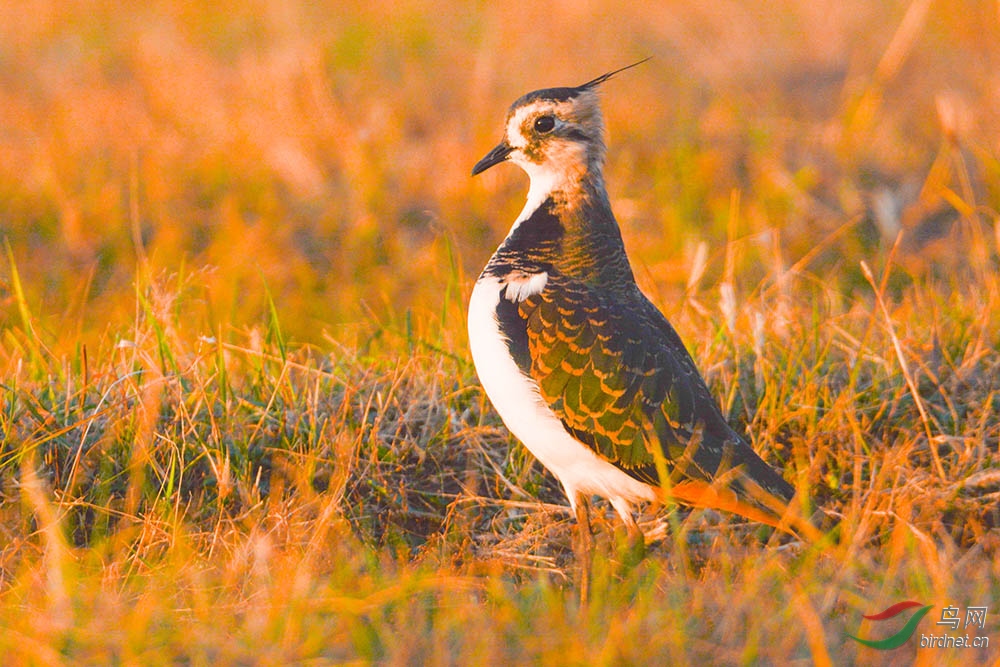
320	152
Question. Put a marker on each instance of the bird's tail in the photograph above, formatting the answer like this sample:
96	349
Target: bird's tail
752	503
747	486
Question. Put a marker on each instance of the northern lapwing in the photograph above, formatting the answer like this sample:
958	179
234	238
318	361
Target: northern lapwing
581	366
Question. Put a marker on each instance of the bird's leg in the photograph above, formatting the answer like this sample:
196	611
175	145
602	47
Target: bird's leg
635	545
584	545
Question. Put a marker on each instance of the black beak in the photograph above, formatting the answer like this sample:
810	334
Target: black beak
495	156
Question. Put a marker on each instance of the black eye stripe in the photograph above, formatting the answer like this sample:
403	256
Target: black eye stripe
544	124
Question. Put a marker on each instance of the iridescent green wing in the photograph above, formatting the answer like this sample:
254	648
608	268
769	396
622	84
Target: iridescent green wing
617	379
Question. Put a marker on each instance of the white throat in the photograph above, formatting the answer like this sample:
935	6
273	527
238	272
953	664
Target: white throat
544	181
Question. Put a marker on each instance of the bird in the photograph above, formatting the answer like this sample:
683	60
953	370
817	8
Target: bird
582	368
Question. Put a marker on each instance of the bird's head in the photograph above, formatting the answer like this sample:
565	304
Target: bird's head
554	134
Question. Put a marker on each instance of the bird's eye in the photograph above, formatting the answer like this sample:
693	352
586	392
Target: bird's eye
544	124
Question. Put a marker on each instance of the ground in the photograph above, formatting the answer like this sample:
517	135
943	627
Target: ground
239	418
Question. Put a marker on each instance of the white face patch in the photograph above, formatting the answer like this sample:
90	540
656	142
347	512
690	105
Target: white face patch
522	285
563	161
516	121
514	136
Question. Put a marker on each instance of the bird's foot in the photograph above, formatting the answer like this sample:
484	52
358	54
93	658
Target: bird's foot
630	546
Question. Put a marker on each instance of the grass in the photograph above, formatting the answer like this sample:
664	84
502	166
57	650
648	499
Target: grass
239	420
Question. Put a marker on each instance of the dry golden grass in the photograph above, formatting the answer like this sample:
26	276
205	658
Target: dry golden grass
239	422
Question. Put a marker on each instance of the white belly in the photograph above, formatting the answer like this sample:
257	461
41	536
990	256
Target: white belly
525	413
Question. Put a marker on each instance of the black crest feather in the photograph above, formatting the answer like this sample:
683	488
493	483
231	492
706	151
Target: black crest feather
567	93
604	77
